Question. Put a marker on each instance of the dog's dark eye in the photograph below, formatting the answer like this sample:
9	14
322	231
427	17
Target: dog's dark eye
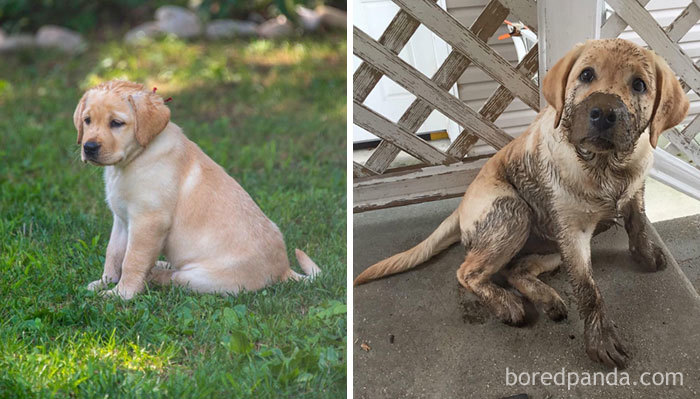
87	120
115	124
587	75
639	86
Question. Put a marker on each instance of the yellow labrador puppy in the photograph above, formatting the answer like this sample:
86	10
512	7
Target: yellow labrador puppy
579	166
168	197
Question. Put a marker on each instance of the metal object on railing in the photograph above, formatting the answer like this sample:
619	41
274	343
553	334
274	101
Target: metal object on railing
524	39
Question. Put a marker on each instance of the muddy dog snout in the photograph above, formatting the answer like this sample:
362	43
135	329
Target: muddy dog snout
602	120
601	123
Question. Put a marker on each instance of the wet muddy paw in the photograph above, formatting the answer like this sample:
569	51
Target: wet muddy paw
653	259
604	346
558	311
660	261
512	313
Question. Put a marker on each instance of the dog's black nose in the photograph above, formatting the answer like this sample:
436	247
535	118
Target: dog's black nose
91	148
601	120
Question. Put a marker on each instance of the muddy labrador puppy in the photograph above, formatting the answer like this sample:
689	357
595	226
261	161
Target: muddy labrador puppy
168	197
579	166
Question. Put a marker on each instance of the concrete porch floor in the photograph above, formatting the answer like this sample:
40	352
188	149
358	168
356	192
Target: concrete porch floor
430	338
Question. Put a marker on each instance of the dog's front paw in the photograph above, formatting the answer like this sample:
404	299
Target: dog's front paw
603	345
97	285
122	293
660	261
653	258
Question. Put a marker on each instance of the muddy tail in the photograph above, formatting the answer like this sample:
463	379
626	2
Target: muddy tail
445	235
309	267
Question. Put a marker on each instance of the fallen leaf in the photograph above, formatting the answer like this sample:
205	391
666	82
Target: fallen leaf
365	347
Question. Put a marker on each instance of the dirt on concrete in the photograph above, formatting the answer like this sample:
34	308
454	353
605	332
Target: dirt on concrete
430	338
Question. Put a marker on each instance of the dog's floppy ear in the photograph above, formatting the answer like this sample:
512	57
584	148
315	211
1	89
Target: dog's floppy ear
152	116
78	116
554	83
671	103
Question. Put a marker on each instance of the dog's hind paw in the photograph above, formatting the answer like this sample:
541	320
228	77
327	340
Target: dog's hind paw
557	311
512	312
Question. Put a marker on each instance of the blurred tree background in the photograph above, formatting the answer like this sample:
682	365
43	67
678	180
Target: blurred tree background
118	15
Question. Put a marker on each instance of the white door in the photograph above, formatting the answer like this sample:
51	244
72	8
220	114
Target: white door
425	51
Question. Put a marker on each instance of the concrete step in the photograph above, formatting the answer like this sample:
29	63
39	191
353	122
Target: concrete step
430	338
682	238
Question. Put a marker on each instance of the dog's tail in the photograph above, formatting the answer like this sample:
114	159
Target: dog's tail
445	235
309	267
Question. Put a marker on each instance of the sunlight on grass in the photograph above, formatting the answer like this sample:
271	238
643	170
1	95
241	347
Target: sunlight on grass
60	368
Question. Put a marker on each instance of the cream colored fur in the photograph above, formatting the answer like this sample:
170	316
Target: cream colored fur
168	197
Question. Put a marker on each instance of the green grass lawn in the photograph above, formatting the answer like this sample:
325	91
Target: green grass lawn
273	115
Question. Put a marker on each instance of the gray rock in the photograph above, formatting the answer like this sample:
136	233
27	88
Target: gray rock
228	28
143	32
60	38
277	27
256	17
310	19
17	42
332	17
179	21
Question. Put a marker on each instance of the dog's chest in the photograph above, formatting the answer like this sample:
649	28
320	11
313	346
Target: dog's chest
598	198
555	193
115	194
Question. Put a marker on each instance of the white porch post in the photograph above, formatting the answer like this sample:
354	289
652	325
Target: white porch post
561	25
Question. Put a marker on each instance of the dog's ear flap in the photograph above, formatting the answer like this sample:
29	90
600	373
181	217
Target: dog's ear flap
554	83
671	103
78	116
152	116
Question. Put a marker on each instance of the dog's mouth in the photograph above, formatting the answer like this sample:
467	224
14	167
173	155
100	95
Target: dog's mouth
96	162
596	144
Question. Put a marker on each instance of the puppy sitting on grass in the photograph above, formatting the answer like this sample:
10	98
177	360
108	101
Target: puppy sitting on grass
168	197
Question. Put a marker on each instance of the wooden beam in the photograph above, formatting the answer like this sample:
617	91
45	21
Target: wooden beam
615	25
464	41
683	23
387	130
646	27
395	37
446	76
494	107
692	129
407	187
689	147
359	170
418	84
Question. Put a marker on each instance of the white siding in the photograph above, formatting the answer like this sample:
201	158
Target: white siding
475	86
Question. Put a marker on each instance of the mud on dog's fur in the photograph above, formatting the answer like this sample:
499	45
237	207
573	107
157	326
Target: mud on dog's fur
579	166
168	197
